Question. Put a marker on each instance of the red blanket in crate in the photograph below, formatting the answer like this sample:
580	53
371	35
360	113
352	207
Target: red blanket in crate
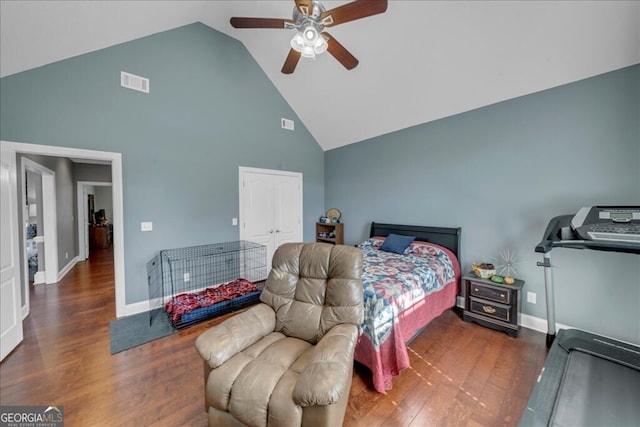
186	303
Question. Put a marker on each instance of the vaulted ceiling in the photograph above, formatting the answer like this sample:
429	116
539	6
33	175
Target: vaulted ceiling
419	61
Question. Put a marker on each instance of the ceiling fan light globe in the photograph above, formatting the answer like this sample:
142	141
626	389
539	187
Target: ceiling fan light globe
310	35
297	42
320	46
308	52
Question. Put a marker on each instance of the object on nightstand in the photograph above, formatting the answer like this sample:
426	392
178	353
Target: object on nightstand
334	215
484	270
497	279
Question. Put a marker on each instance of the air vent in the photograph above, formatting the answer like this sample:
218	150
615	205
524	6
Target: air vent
287	124
131	81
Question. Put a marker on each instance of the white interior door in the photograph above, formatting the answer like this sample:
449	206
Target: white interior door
256	217
10	311
287	209
270	207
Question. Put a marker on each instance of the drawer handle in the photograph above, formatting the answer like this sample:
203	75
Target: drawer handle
502	295
488	309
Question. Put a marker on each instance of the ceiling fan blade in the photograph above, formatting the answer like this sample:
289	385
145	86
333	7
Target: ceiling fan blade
259	22
351	11
304	6
291	62
340	52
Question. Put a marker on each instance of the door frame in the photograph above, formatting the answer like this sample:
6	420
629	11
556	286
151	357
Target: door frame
83	215
49	226
115	159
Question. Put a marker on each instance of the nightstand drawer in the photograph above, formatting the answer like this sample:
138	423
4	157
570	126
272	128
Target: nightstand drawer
490	293
489	309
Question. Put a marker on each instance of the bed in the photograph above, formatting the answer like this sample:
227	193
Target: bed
403	292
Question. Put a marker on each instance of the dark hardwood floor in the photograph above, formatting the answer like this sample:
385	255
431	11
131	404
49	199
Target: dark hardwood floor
461	374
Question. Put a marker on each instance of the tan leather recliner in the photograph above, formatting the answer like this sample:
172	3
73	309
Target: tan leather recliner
288	361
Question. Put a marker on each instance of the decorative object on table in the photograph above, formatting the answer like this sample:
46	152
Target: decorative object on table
497	279
334	215
484	270
506	262
324	220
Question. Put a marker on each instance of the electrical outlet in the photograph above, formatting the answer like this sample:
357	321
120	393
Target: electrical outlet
186	277
146	226
531	297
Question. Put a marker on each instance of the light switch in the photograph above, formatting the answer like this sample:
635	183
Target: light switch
146	226
234	221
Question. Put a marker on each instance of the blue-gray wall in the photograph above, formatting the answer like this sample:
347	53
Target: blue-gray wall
211	109
501	173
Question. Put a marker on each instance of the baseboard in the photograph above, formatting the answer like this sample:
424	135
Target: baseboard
526	320
135	308
67	268
538	324
39	278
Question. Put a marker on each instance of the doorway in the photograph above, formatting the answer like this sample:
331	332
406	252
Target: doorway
92	196
115	161
39	237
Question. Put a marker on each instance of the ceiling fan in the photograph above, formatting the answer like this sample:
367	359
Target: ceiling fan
309	20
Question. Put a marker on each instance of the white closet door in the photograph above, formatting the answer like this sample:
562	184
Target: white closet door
270	207
257	215
287	209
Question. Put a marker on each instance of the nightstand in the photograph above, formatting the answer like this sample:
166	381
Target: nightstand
491	304
330	232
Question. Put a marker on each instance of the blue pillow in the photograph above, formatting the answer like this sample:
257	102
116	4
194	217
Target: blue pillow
396	243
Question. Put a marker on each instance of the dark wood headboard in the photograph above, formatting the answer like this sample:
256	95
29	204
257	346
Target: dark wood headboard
444	236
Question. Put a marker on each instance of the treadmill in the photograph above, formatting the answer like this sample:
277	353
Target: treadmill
587	380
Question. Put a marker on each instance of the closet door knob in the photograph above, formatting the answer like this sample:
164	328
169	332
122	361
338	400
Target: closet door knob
271	231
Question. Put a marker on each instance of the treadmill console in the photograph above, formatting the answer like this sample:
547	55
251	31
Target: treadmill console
609	223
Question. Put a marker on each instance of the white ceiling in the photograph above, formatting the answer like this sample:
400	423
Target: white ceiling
419	61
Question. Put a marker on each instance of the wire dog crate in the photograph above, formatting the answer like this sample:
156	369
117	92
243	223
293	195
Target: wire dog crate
200	282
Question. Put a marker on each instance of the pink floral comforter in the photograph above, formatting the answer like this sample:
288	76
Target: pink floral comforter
402	293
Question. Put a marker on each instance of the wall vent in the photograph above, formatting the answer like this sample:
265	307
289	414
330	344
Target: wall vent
287	124
131	81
